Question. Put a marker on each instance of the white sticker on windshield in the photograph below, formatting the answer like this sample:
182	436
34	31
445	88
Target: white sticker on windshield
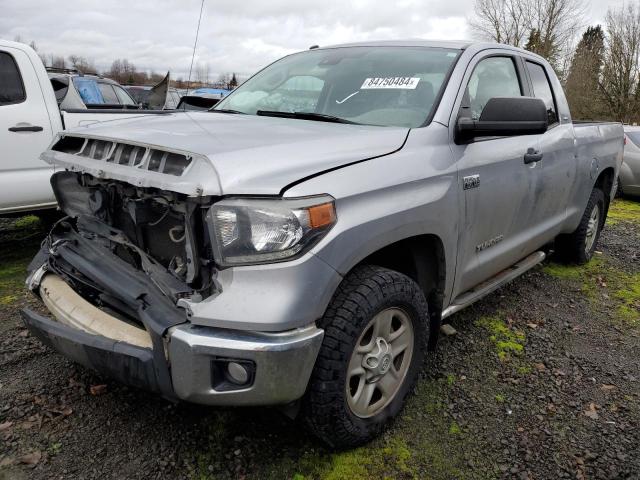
407	83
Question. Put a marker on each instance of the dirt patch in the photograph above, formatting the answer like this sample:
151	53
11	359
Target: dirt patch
541	382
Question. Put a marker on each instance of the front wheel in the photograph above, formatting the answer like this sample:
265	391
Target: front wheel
578	247
376	333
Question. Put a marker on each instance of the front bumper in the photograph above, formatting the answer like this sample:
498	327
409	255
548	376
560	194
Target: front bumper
182	361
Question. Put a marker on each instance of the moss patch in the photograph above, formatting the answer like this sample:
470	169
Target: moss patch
29	221
12	275
385	461
508	342
602	282
623	211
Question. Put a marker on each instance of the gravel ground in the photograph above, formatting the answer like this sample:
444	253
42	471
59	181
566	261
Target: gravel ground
540	382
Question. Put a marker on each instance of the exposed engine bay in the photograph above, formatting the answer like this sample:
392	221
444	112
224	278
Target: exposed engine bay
158	233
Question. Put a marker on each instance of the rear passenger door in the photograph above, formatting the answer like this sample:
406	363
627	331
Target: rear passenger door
554	175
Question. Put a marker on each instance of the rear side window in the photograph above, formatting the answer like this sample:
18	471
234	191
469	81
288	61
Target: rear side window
11	87
542	90
88	90
124	97
108	94
492	77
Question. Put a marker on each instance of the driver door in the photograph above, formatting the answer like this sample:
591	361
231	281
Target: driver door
495	183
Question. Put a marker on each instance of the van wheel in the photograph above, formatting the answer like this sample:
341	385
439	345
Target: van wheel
578	247
376	334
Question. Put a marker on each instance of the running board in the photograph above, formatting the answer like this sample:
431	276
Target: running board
488	286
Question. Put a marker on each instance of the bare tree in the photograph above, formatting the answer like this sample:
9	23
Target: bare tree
621	70
81	64
502	21
57	61
547	26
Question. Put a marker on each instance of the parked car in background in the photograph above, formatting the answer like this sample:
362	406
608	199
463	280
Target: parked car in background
197	102
157	97
219	93
142	94
76	90
301	243
629	178
34	108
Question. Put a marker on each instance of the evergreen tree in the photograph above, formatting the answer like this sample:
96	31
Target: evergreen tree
582	85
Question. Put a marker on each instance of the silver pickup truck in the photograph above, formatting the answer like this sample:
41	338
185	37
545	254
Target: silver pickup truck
301	244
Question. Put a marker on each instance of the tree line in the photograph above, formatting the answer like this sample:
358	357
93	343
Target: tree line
600	73
125	72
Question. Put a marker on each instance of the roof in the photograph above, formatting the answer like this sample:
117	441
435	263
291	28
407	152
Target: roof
475	46
415	42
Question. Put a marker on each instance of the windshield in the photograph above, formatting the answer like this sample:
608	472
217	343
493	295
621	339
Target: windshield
387	86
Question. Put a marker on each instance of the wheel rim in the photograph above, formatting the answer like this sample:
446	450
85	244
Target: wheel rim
592	228
379	362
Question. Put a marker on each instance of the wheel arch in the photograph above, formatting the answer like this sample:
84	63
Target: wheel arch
605	182
421	258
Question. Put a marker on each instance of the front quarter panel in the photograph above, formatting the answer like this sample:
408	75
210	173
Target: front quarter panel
382	201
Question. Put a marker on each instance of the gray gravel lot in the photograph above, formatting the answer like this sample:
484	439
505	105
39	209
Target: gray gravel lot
542	381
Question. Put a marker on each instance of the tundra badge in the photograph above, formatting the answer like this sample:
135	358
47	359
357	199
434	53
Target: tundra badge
472	181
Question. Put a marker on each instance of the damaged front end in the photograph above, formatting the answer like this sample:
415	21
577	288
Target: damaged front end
123	253
122	273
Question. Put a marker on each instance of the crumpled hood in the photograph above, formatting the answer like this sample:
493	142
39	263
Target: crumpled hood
250	154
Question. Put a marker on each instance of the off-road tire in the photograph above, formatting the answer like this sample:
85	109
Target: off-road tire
618	189
366	291
571	248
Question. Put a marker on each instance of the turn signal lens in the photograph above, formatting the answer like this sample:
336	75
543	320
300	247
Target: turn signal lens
322	215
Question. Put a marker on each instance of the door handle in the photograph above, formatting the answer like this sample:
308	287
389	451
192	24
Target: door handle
532	156
27	128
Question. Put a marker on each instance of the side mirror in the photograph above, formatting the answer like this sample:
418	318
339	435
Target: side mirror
506	116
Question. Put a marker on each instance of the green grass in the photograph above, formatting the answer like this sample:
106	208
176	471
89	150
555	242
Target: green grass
623	211
424	442
29	221
18	244
601	282
12	275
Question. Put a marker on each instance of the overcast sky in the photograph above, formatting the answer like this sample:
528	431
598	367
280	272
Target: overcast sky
235	36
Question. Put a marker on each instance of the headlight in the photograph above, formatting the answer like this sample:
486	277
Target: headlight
248	231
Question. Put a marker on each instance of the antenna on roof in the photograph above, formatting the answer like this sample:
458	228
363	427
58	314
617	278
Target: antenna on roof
195	43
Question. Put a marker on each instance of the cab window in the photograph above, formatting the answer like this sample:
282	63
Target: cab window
107	93
11	87
542	90
492	77
123	97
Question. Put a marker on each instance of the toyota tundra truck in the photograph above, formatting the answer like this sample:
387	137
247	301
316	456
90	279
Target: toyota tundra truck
301	243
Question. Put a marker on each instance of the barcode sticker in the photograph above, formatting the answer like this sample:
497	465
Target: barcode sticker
407	83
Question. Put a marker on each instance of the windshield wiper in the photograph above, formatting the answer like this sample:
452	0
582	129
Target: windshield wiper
225	110
320	117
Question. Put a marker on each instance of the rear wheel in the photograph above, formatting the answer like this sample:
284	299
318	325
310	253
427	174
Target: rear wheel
618	189
578	247
376	332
